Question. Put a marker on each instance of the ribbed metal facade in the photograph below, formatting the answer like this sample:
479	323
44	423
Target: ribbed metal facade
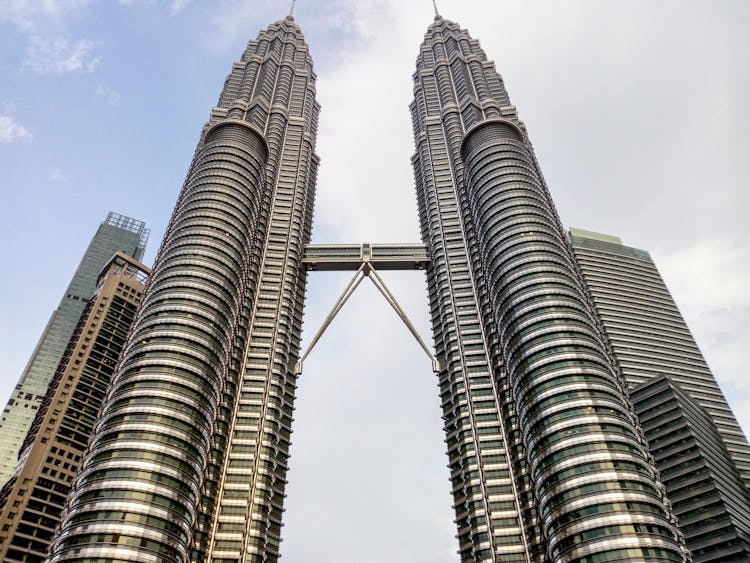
546	458
200	411
547	462
116	233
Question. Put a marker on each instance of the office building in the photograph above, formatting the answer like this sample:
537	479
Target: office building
547	463
31	500
117	233
648	335
708	496
699	449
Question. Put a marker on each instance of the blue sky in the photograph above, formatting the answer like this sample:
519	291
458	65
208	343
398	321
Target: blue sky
638	115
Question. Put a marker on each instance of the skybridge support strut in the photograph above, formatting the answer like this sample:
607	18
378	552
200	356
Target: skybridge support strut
411	257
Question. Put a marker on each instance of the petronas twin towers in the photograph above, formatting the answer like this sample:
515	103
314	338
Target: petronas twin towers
188	458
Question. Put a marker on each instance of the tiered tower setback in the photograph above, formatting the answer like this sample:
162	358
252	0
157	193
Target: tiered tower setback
546	457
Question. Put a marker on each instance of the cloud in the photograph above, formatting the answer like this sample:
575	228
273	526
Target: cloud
111	96
13	132
175	6
709	280
59	56
57	175
29	14
235	21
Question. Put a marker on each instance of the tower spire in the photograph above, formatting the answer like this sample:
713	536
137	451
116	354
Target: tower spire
434	5
291	10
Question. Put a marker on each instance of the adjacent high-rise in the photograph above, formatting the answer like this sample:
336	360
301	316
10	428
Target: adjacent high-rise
31	500
117	233
649	337
188	459
699	449
708	496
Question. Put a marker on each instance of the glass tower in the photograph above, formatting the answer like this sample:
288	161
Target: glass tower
708	496
547	461
117	233
648	334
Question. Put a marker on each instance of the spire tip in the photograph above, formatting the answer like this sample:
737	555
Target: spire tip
291	10
434	5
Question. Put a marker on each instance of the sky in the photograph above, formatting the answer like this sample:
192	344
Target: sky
637	111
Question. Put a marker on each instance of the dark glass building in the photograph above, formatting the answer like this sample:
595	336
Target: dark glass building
708	496
547	461
117	233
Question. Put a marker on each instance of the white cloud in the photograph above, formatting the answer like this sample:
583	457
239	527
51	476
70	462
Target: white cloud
13	132
175	6
29	14
235	21
716	267
111	96
57	175
59	56
709	281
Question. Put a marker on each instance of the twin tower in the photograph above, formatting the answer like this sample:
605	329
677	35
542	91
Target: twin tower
188	460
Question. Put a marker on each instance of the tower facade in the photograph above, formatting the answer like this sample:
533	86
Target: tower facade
547	461
117	233
188	458
31	500
191	446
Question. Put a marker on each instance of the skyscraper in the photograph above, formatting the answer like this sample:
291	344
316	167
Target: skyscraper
31	500
117	233
698	446
708	496
208	374
546	457
648	334
547	463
